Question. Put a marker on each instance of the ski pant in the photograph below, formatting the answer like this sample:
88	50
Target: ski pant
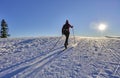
67	36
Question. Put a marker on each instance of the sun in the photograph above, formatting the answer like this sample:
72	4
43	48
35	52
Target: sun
102	27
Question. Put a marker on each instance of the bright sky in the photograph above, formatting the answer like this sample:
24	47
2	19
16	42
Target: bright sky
27	18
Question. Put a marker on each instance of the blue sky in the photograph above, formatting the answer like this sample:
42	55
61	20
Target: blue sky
27	18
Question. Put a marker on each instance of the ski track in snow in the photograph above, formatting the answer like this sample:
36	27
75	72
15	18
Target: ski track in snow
116	55
44	62
12	70
90	58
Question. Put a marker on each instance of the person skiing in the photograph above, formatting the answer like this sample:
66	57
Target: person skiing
66	31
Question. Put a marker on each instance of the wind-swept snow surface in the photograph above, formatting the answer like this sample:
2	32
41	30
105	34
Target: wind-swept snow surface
43	58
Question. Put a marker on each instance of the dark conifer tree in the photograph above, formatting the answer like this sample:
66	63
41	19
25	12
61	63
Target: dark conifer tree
4	29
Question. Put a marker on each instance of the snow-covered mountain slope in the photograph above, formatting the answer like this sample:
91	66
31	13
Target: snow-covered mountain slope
43	58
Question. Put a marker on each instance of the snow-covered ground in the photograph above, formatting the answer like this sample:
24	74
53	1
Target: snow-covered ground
42	58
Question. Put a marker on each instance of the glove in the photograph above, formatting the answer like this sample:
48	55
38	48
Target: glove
71	26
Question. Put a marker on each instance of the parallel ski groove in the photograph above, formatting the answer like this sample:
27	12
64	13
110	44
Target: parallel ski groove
46	60
25	64
116	57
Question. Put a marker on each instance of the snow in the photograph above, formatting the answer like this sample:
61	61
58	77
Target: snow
41	57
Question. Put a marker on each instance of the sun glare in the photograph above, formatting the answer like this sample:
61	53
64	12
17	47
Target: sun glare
102	27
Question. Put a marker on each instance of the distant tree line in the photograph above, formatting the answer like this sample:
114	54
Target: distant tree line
4	29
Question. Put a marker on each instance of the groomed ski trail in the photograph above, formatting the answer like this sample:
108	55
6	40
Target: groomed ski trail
37	63
47	59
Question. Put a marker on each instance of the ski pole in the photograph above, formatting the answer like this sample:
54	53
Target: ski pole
73	35
56	43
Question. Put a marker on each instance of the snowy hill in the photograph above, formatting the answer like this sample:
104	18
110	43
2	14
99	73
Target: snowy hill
112	37
43	58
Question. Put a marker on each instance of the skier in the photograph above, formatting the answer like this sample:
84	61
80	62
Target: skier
66	32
